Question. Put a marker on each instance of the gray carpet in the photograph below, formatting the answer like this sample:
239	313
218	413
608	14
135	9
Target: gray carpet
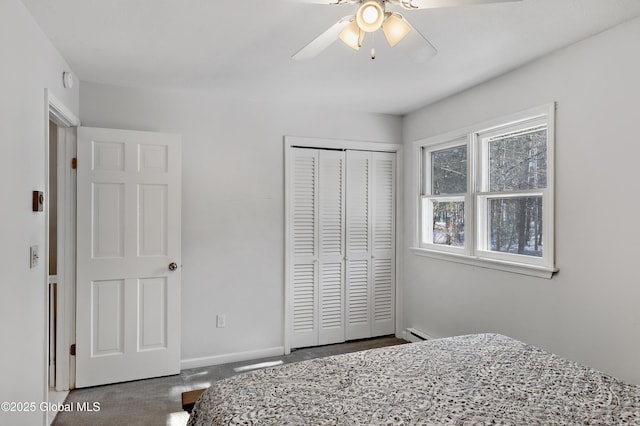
158	401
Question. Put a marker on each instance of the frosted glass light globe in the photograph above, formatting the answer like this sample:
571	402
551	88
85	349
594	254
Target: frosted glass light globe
370	14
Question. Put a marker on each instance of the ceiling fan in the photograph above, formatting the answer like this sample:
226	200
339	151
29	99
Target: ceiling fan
370	17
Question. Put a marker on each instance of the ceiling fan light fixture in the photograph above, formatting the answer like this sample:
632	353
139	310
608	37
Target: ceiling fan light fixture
352	36
395	28
370	15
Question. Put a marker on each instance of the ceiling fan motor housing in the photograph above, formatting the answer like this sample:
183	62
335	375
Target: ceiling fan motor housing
370	15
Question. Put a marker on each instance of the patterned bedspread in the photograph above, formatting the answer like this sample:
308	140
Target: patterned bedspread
483	379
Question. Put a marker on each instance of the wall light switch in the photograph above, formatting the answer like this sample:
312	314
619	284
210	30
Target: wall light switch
221	321
37	201
33	256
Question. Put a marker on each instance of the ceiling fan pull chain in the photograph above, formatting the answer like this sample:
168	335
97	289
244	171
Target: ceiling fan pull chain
373	46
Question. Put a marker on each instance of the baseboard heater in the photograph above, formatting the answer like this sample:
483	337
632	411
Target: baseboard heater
413	335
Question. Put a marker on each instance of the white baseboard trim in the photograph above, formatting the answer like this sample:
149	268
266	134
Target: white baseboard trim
233	357
55	397
415	335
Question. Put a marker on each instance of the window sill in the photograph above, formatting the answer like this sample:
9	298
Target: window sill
516	268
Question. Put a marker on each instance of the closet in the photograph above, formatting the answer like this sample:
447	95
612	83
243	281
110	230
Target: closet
341	246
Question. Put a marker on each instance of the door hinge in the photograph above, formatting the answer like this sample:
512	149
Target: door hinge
74	163
72	350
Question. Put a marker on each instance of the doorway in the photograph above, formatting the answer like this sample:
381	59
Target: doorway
59	249
53	248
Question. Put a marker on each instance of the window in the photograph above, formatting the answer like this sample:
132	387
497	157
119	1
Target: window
445	183
486	193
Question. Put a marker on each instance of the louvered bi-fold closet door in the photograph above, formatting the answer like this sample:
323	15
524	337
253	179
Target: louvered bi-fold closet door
370	244
358	241
304	247
331	247
383	247
317	232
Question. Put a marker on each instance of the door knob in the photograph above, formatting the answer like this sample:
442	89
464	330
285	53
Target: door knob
173	266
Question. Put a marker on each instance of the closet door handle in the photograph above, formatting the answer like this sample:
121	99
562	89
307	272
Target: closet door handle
173	266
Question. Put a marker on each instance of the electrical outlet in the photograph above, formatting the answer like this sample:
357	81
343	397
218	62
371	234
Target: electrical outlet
221	320
33	256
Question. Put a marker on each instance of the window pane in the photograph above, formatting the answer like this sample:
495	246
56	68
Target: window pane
449	171
447	223
518	160
516	225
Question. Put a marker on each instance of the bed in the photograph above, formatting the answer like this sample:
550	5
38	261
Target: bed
480	379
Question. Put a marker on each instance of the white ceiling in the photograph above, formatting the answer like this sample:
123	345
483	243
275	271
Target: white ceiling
242	49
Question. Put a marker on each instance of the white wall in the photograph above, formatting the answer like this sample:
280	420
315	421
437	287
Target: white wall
233	202
589	311
28	65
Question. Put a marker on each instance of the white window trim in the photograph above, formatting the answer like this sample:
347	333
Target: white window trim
472	254
517	268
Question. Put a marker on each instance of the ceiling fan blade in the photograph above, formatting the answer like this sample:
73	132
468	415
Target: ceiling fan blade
432	4
331	2
324	40
416	46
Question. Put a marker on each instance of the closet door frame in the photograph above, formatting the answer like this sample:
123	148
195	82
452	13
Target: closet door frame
291	142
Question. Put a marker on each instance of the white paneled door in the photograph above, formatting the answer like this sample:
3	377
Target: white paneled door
341	245
128	255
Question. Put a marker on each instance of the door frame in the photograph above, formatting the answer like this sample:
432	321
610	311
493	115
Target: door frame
291	142
66	121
